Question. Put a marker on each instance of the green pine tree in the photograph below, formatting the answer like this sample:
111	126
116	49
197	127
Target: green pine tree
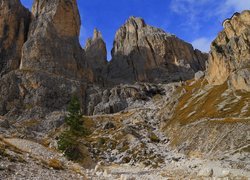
74	118
68	141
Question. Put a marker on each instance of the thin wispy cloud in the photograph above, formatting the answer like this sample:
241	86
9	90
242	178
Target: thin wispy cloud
191	10
197	14
232	6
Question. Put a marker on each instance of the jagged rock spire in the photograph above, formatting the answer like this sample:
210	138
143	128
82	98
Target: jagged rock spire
53	44
96	54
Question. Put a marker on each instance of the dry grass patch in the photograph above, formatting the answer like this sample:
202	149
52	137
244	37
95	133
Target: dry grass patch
55	164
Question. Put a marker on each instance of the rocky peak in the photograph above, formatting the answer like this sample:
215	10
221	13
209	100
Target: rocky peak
96	54
64	13
53	44
145	53
229	58
97	34
14	26
136	21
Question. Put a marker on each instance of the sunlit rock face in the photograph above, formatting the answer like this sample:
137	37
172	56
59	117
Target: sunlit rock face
53	65
14	26
53	44
148	54
229	58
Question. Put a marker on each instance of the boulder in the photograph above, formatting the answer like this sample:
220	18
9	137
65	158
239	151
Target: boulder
14	27
206	172
199	75
240	80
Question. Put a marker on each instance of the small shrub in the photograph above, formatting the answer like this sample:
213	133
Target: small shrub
55	164
101	141
154	138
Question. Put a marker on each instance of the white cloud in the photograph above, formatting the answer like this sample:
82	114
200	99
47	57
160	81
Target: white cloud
232	6
196	12
202	44
238	5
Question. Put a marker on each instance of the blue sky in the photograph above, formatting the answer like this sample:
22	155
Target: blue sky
195	21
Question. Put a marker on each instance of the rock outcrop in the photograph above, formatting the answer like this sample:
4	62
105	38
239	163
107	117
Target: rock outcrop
53	44
53	65
229	58
148	54
14	26
121	97
96	55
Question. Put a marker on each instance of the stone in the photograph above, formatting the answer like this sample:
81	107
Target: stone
53	42
96	55
142	53
230	53
199	75
206	172
120	97
108	125
225	172
106	173
4	123
126	177
14	27
97	168
240	80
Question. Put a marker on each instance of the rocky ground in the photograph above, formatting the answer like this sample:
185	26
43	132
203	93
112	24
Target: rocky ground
131	144
24	159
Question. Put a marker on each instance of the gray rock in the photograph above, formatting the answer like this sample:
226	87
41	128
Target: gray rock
108	125
199	75
206	172
118	98
240	80
4	123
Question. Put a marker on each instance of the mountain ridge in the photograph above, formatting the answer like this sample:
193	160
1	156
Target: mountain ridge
160	109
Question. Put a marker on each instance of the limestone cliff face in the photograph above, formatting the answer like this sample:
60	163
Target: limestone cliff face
14	25
53	43
229	58
53	65
145	53
96	55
